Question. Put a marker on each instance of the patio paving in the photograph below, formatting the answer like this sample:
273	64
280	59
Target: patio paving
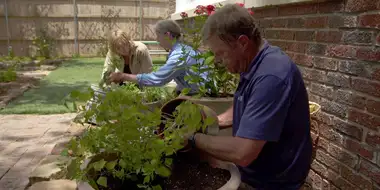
24	141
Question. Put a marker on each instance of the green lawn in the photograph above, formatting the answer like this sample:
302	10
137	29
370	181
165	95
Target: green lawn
76	74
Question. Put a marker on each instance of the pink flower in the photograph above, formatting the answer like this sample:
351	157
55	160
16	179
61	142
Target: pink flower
184	15
250	11
212	12
210	9
240	4
200	10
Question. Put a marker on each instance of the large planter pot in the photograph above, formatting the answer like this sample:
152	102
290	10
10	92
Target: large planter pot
232	183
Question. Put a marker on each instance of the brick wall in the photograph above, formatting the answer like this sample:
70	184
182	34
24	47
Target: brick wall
171	7
337	47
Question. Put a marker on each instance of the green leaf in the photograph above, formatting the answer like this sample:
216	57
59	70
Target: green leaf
99	165
208	121
163	171
185	91
111	165
146	179
102	181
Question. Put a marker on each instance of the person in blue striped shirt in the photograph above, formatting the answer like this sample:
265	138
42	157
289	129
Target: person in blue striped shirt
177	67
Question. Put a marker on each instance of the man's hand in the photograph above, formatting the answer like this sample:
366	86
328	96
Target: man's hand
224	122
116	77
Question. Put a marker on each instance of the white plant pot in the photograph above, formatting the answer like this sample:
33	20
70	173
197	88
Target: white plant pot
232	184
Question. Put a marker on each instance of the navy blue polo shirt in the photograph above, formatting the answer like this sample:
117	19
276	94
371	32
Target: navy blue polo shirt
271	104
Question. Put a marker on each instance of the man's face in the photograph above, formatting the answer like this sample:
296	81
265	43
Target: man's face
231	55
164	40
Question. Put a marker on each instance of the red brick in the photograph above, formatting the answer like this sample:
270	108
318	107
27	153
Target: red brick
341	51
297	9
338	79
373	106
298	47
373	139
323	143
322	90
350	98
370	170
357	37
325	184
316	49
366	86
328	160
279	34
369	54
331	6
361	5
355	68
319	168
314	74
329	36
330	134
369	121
359	148
348	129
265	12
339	181
334	108
325	63
355	178
376	187
315	180
339	21
375	75
324	118
316	22
302	59
304	36
343	156
370	20
279	23
295	23
378	39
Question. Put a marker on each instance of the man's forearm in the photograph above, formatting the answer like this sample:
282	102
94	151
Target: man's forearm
226	118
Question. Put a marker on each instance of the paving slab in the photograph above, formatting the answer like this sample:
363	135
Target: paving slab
24	141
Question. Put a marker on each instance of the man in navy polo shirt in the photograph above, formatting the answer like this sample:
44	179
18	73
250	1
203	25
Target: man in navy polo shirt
271	140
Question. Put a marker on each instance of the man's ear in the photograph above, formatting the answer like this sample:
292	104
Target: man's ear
243	41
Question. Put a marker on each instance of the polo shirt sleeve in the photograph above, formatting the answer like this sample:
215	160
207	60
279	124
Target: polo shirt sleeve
266	109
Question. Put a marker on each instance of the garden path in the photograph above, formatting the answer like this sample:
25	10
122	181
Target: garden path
24	141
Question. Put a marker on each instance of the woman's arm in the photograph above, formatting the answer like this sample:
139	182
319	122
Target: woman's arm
164	74
108	68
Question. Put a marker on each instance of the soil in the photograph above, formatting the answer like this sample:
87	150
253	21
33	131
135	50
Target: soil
190	174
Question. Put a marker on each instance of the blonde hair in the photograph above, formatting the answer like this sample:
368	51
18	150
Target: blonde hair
118	39
171	26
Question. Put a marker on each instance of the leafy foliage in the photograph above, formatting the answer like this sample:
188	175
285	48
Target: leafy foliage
219	83
44	44
8	75
129	133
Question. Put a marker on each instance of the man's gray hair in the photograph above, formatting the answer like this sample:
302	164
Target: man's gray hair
171	26
229	22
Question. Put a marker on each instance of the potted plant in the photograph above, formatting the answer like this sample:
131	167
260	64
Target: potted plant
153	97
217	90
135	150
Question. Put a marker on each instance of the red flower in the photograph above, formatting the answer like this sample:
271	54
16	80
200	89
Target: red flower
200	10
212	12
240	4
210	9
184	15
250	11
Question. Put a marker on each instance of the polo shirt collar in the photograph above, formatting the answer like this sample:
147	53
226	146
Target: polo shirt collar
252	67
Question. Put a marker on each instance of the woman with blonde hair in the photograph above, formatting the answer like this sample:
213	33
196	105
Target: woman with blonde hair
177	67
126	56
